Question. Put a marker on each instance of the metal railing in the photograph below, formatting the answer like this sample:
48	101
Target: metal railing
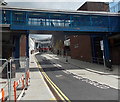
19	67
13	71
4	77
97	60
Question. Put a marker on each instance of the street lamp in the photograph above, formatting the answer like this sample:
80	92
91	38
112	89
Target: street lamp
66	49
66	57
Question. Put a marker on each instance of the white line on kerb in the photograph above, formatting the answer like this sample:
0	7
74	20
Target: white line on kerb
0	95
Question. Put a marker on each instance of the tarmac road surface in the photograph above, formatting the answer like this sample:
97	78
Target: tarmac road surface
76	87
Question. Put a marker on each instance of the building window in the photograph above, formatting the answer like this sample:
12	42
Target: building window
76	46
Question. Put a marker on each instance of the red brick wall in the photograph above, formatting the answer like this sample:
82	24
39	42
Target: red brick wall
115	52
94	6
115	55
23	46
98	6
81	47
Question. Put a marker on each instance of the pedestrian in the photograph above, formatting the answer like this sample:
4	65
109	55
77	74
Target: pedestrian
57	52
41	22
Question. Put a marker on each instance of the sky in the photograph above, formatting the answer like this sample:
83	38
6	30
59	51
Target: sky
50	4
40	37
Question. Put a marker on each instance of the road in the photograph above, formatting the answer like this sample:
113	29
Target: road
76	87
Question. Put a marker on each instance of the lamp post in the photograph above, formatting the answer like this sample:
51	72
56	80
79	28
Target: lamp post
66	56
66	50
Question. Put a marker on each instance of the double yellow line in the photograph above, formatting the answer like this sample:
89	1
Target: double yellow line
56	89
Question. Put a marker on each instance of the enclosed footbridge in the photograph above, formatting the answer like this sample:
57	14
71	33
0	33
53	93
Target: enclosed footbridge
83	21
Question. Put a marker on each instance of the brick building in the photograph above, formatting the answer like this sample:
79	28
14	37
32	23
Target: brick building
88	48
94	6
82	45
23	46
115	40
115	49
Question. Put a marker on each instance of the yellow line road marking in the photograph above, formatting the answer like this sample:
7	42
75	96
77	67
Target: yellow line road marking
52	99
55	89
47	78
58	91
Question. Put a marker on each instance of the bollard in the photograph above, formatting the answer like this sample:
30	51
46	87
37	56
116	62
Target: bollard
3	95
26	81
27	78
26	73
15	85
23	82
66	57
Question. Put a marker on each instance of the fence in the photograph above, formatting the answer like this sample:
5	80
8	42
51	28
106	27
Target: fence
4	80
14	78
19	77
97	60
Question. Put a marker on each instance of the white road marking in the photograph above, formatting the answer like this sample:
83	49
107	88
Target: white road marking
59	75
67	72
57	65
97	84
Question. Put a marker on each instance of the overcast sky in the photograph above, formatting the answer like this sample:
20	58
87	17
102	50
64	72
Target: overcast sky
40	37
50	4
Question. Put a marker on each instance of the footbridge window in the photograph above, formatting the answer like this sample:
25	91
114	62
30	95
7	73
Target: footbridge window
49	20
99	21
79	20
18	17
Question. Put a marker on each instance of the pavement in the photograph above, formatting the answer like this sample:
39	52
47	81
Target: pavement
96	68
38	89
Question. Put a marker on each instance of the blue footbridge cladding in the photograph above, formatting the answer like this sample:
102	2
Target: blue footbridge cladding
84	21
